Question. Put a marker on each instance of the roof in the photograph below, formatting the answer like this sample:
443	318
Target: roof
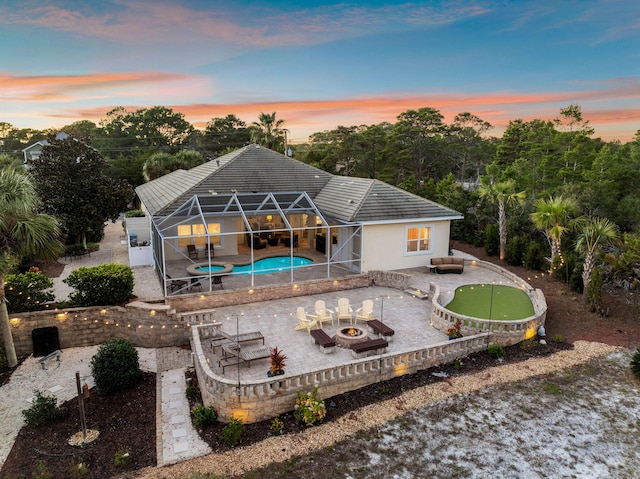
254	169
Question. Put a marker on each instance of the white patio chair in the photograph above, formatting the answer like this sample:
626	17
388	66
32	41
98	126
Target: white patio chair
344	311
365	313
305	321
323	314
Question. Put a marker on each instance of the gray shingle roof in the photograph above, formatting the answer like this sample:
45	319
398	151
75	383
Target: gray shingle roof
255	169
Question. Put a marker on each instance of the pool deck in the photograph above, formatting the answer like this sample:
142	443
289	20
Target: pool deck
406	314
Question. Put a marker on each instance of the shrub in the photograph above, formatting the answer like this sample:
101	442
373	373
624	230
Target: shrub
515	250
27	291
42	410
492	240
276	427
496	351
309	409
134	214
203	416
635	363
115	366
106	284
78	469
527	344
122	457
192	392
594	293
558	338
232	433
534	256
3	359
41	472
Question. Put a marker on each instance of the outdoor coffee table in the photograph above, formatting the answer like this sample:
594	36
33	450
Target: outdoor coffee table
246	354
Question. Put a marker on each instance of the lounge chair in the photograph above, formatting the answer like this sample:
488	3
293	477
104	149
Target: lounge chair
305	321
323	314
193	252
365	313
344	311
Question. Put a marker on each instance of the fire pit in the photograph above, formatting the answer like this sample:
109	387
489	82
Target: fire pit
345	337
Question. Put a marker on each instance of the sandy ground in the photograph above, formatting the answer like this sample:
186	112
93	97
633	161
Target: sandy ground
537	419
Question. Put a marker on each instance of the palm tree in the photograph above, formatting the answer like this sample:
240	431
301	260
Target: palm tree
596	233
554	217
23	232
268	131
504	194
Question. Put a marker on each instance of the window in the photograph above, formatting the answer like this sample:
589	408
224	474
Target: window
418	239
188	235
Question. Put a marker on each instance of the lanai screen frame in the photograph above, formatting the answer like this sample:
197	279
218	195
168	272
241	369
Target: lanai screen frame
200	208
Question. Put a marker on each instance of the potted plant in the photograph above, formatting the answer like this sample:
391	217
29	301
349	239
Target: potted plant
454	331
277	359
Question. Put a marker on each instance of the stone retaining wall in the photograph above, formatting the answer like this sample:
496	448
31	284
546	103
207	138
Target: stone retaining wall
505	333
263	399
157	325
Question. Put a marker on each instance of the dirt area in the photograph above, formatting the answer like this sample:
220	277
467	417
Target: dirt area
129	420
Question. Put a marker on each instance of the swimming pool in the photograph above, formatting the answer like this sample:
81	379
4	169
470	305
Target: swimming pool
273	264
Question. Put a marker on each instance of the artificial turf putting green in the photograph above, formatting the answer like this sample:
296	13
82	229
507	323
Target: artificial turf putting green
491	301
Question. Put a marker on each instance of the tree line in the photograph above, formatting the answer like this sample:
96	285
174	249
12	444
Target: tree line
542	182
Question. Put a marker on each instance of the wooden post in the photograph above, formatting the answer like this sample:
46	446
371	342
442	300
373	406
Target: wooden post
83	421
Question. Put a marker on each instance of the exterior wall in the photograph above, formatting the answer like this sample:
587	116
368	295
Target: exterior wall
504	333
230	241
263	399
384	246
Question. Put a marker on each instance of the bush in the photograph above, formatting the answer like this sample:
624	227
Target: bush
42	410
277	426
515	250
106	284
115	367
558	338
309	409
122	457
203	416
232	433
534	256
192	392
492	240
635	363
3	359
496	351
594	293
27	291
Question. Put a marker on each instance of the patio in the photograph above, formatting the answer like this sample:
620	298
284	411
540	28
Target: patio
406	314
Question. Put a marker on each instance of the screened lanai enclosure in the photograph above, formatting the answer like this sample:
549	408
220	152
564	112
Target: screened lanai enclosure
251	239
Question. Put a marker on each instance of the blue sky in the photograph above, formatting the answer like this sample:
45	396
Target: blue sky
319	65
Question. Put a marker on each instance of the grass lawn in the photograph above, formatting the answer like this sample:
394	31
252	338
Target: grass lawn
489	301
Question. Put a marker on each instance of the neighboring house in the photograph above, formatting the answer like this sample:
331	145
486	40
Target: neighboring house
361	224
33	152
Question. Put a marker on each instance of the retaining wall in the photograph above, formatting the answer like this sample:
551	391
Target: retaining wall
263	399
505	333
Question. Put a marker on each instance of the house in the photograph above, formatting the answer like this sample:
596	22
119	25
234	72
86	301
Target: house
361	224
32	152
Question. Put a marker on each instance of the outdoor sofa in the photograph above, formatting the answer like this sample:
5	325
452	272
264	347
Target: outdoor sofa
449	264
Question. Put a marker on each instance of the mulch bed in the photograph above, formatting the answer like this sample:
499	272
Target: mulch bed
125	421
348	403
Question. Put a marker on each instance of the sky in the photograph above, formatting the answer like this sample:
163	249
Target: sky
320	65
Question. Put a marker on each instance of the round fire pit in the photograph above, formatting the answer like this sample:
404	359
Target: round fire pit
345	337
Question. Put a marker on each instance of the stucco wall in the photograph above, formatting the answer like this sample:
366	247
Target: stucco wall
384	246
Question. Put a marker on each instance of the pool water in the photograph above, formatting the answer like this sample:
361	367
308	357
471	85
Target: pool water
274	264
